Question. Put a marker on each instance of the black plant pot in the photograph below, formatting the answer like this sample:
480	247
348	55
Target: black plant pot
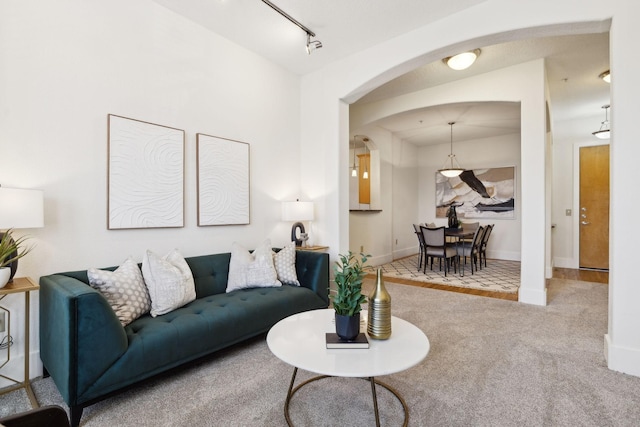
348	327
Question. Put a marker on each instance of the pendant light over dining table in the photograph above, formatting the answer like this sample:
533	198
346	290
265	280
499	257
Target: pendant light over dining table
451	167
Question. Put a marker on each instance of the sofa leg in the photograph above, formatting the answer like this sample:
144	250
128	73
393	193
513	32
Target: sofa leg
76	414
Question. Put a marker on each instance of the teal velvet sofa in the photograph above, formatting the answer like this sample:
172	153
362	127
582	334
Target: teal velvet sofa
90	355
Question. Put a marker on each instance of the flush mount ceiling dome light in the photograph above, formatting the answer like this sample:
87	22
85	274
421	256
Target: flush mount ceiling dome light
451	167
606	76
463	60
604	132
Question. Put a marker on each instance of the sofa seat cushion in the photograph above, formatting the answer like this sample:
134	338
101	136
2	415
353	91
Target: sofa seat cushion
199	328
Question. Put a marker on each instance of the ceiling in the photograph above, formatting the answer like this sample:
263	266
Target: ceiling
346	27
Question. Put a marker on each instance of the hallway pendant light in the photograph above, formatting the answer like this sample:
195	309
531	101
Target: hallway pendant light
365	174
354	171
604	132
463	60
451	167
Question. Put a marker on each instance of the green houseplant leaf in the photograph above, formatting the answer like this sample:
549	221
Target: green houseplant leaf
12	248
348	275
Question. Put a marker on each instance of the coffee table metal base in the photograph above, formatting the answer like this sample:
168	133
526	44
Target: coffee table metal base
372	380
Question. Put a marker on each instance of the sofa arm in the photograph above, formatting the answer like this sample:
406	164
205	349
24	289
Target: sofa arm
312	269
80	335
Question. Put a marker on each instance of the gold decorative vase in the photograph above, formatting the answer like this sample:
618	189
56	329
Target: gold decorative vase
379	315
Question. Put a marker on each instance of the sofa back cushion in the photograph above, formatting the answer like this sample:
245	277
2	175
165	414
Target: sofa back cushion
210	273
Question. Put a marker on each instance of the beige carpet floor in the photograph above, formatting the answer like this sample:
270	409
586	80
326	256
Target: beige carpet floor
497	276
492	363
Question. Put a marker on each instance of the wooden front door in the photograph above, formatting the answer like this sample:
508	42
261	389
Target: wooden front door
594	207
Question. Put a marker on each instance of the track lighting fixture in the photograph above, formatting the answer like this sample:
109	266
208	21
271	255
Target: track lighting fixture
311	44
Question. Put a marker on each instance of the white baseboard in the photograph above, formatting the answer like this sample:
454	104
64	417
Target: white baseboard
565	262
380	260
622	359
505	255
403	253
532	296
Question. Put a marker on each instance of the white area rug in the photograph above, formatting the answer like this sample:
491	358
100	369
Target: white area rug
497	276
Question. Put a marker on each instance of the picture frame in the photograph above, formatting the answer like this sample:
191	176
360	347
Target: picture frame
223	181
488	193
145	174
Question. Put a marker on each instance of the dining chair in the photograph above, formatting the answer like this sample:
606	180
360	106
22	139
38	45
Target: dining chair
437	247
471	226
483	244
471	249
422	248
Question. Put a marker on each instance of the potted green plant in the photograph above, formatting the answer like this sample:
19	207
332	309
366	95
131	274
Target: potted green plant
347	298
11	250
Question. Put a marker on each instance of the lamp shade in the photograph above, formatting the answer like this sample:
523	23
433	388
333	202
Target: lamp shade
297	211
21	208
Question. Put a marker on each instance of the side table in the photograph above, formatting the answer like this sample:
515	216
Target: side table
25	285
312	248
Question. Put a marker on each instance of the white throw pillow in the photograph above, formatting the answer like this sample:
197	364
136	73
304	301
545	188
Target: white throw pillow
252	270
285	263
124	289
169	280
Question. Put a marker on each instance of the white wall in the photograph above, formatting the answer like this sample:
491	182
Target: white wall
66	65
406	200
500	151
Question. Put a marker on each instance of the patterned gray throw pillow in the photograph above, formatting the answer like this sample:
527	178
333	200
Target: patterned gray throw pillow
285	262
124	290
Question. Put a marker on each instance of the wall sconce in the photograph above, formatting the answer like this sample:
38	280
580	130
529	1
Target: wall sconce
20	209
297	211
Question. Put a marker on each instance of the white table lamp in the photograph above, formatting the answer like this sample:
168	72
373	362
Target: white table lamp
297	211
20	209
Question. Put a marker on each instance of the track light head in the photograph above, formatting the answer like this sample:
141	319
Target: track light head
312	44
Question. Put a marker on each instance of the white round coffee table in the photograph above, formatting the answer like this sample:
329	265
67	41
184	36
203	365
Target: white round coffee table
299	341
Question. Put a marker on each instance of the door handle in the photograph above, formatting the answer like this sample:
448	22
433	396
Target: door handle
584	223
